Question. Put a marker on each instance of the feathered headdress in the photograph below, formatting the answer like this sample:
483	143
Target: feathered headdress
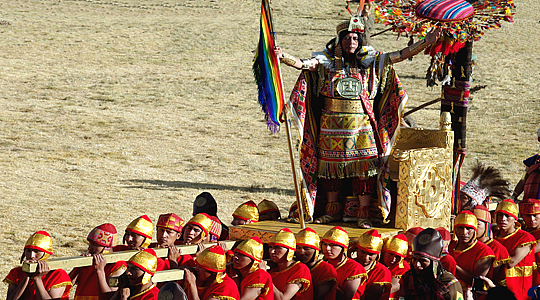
486	182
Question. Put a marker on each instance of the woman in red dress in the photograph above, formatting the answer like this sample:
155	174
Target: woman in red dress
292	279
351	276
44	284
323	274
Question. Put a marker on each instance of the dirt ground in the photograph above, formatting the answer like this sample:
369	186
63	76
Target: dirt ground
114	109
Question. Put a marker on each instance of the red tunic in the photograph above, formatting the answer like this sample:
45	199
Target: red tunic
321	273
536	274
397	271
350	270
519	278
296	273
259	279
87	280
467	258
183	260
54	279
225	290
379	275
149	294
449	263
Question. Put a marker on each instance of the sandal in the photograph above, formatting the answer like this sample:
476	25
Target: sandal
364	224
325	219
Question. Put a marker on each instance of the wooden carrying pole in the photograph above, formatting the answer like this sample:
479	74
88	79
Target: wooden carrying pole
85	261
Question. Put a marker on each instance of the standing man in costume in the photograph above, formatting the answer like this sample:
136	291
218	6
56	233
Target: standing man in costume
530	212
520	245
530	183
473	258
343	135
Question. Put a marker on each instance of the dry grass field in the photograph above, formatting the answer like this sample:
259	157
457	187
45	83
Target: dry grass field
116	108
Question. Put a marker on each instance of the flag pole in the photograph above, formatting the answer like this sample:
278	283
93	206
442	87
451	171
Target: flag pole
289	139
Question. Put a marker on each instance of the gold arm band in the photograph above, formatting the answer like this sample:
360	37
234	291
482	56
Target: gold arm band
418	47
343	105
288	59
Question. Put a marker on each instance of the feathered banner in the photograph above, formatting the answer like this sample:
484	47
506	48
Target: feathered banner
266	72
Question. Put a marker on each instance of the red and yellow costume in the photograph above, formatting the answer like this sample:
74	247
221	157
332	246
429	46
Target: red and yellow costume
148	294
172	222
532	207
257	278
223	287
106	236
146	260
348	269
467	258
296	273
321	272
397	245
58	278
520	276
372	242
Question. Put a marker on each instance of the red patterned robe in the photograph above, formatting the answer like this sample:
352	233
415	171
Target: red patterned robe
397	271
321	273
467	258
296	273
225	290
87	280
53	279
519	278
378	274
259	279
149	294
350	270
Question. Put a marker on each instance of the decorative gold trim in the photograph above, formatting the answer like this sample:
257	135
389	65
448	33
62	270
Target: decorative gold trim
519	271
143	292
61	284
342	105
288	59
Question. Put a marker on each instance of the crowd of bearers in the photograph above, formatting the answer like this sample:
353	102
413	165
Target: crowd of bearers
416	264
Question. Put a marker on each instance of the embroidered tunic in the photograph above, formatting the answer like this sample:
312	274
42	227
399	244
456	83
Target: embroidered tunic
531	189
53	279
321	273
87	280
467	258
350	270
519	276
259	279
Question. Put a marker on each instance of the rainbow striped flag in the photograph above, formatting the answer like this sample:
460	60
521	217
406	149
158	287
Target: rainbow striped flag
267	73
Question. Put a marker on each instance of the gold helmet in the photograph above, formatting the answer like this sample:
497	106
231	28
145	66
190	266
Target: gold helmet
466	219
267	206
252	248
285	238
143	226
397	245
247	211
203	221
213	259
337	236
508	207
371	242
146	260
40	241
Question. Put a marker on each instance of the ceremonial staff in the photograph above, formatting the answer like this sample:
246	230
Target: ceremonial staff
267	72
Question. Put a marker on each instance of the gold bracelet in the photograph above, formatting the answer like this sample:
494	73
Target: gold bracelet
288	59
418	47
